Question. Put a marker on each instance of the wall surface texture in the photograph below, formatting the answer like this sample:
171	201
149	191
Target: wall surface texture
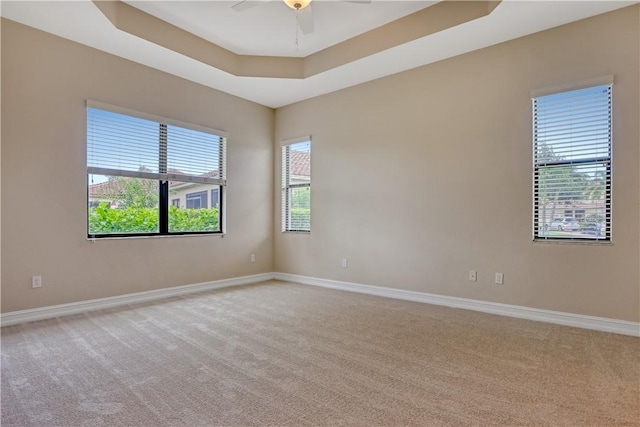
419	177
0	157
45	83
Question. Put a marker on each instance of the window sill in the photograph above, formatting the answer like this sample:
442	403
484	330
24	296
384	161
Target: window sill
573	242
159	236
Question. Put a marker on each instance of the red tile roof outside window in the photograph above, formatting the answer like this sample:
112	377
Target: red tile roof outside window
113	188
300	163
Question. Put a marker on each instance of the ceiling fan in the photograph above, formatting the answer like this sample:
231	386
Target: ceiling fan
304	13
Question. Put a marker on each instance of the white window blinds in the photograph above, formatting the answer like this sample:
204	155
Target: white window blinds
152	176
124	145
572	165
296	187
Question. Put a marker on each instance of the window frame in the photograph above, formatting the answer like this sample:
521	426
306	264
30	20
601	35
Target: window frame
287	187
595	160
163	177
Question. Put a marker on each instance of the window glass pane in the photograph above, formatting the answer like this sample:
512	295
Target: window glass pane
122	205
572	201
573	125
199	211
300	209
126	143
194	153
300	163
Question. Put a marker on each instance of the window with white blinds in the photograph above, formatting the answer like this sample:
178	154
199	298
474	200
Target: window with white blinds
296	187
572	165
137	163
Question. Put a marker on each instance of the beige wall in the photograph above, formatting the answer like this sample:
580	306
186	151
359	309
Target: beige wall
417	177
0	157
424	175
45	82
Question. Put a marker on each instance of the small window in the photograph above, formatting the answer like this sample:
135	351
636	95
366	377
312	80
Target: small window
572	165
139	167
215	198
197	200
296	187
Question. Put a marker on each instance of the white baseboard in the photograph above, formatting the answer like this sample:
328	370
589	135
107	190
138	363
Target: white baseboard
22	316
567	319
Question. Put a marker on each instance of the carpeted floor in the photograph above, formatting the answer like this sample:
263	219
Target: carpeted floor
290	355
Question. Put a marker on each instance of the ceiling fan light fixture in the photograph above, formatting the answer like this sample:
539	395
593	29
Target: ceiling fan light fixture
297	4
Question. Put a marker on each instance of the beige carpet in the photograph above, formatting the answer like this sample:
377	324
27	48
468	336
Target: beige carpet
290	355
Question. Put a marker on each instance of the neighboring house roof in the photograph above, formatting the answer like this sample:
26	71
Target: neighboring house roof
300	163
106	190
114	188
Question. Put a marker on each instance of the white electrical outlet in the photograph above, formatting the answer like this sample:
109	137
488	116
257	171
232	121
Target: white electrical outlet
253	258
345	263
473	275
499	278
36	282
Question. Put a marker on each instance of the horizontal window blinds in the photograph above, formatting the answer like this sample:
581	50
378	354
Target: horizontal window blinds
572	164
148	175
296	187
123	145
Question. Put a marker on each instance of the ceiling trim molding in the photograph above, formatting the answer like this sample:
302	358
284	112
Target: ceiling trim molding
430	20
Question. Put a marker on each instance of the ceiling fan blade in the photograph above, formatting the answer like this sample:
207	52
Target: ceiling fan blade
305	20
247	4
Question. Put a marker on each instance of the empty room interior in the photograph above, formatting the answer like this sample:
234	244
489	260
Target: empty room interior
281	212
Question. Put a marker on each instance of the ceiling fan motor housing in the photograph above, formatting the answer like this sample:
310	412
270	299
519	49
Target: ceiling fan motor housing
297	4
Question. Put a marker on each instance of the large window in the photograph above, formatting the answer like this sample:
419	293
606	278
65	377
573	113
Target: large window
572	165
142	169
296	187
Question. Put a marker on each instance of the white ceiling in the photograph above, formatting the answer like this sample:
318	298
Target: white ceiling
269	29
